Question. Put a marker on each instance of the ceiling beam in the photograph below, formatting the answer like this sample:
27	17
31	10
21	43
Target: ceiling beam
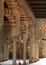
39	16
41	10
39	6
34	2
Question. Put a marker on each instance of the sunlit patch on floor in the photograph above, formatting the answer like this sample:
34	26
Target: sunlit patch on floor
10	62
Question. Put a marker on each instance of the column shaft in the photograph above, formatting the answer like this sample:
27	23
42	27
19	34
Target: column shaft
14	52
24	48
1	12
0	52
6	52
34	52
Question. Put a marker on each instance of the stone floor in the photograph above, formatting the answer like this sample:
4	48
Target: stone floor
10	62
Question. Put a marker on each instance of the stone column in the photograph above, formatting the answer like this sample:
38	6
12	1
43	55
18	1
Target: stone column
20	51
30	51
1	20
43	49
1	12
13	36
14	51
6	52
15	26
24	38
24	48
0	52
24	32
34	48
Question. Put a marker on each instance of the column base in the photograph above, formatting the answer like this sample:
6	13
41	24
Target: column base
24	63
29	61
14	64
32	61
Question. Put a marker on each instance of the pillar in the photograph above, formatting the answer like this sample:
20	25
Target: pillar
43	48
0	52
14	34
13	37
34	48
24	48
14	27
14	51
24	51
24	31
1	21
32	52
6	52
1	12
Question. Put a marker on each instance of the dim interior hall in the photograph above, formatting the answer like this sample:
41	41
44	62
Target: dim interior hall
23	32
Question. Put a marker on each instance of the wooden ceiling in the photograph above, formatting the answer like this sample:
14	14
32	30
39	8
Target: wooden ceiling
38	7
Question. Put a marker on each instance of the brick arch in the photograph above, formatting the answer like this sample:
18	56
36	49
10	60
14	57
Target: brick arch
8	12
9	15
22	10
24	15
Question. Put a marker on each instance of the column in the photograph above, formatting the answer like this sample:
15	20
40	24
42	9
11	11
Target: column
14	27
6	53
24	32
0	52
1	12
13	36
20	51
34	48
1	21
30	50
24	48
43	49
14	51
